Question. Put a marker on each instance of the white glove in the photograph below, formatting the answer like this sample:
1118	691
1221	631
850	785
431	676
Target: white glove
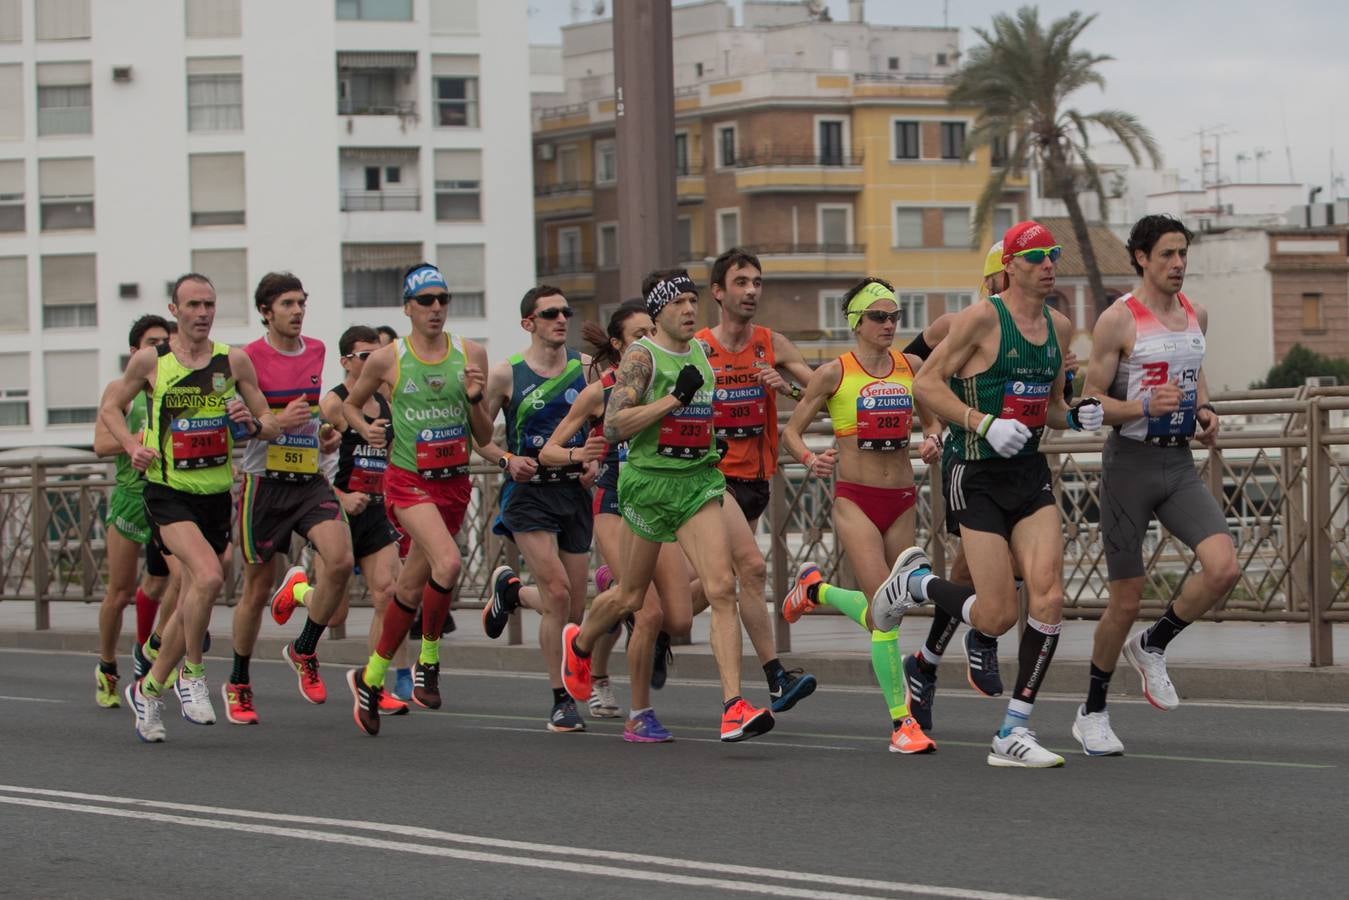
1005	436
1090	415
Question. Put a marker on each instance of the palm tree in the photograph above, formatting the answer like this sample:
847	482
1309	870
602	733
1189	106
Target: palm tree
1019	79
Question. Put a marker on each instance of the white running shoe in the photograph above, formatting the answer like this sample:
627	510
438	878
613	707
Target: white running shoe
1094	733
1151	668
603	703
1021	750
149	713
195	699
893	599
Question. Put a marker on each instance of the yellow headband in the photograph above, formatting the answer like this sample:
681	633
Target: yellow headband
866	298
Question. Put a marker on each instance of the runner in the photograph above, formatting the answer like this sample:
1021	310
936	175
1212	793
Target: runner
283	491
435	382
545	510
749	362
997	380
126	531
185	453
387	335
1147	359
869	393
661	405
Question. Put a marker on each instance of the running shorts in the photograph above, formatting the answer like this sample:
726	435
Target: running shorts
403	489
655	505
751	495
605	501
211	513
270	510
563	508
155	564
126	513
371	531
993	495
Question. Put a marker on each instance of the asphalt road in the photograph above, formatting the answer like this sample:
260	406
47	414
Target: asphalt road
478	800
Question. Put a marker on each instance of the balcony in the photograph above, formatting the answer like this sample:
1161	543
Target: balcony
65	213
574	274
800	260
55	120
382	201
776	171
377	107
690	186
564	200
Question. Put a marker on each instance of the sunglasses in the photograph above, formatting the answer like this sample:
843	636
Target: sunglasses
879	317
1037	255
553	312
362	355
428	299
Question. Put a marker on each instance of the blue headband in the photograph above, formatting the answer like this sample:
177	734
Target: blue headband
422	277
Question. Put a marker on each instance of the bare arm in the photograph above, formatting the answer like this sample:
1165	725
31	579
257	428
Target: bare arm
819	388
498	394
627	414
790	360
117	396
104	443
1057	413
246	383
931	387
589	405
330	406
1107	346
475	382
373	376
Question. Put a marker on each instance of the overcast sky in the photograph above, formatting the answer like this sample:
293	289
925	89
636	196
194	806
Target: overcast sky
1274	74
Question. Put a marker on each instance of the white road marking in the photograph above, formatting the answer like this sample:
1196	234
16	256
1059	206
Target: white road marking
32	699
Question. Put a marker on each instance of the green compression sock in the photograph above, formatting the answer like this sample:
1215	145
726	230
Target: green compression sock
194	670
430	654
885	661
375	669
852	604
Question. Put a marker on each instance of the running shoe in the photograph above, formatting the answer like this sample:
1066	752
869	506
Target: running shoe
575	668
142	658
660	664
306	666
149	713
909	738
391	706
981	663
645	728
603	703
426	685
415	631
1094	733
604	578
402	684
239	703
1021	750
565	717
194	696
283	600
797	602
742	722
496	614
893	598
790	688
365	701
1151	668
105	689
920	691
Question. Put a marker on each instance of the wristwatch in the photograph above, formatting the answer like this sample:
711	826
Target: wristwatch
1210	407
505	460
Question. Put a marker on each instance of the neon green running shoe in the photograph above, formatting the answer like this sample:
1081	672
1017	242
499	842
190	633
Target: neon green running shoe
105	689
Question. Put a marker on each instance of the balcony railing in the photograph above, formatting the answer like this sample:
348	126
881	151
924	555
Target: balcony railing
566	265
372	108
562	187
900	78
65	120
381	201
799	249
688	169
798	158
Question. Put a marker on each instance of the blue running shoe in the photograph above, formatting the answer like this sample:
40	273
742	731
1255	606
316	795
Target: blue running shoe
645	728
790	688
981	659
402	684
921	689
565	718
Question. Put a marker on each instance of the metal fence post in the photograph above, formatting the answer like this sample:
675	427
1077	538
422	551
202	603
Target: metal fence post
84	534
41	561
1320	632
777	526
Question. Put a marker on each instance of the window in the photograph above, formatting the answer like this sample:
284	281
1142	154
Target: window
228	271
66	187
215	94
14	383
906	140
942	59
62	20
893	63
11	102
1004	217
681	154
908	226
569	250
835	227
64	99
955	302
955	227
11	20
464	268
607	241
372	274
684	238
393	174
728	229
568	165
13	294
832	317
725	146
829	142
376	83
999	150
952	140
69	292
456	89
912	312
11	195
72	386
698	70
217	181
454	16
1311	313
375	10
213	19
606	162
458	185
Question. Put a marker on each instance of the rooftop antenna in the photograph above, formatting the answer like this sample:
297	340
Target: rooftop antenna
1260	153
1287	148
1241	158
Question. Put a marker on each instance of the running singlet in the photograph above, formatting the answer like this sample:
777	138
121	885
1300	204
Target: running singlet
1016	386
1160	355
616	454
188	424
128	480
683	440
878	410
744	412
360	467
293	455
430	412
537	406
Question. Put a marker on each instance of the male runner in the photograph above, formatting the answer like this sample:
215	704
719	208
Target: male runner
748	361
436	382
546	510
997	380
387	335
127	530
284	491
661	405
185	454
1147	359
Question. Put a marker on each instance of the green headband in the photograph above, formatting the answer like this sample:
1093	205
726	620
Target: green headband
866	298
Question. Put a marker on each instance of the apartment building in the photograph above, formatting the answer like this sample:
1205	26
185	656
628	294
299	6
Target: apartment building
827	147
342	141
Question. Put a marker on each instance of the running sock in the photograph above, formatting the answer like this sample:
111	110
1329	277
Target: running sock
560	695
108	668
430	653
813	592
726	706
397	620
633	714
953	599
435	607
575	648
1164	630
1038	643
926	666
240	673
194	670
1096	690
885	661
302	590
150	687
154	641
919	579
852	604
938	637
147	608
378	666
308	641
773	670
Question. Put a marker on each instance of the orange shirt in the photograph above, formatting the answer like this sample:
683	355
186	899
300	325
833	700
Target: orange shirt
744	412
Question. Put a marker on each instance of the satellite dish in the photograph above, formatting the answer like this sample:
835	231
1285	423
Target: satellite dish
598	8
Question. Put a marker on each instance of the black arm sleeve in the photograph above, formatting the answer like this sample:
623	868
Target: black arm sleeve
918	347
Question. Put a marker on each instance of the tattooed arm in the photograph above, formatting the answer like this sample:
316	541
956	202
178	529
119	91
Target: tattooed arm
626	414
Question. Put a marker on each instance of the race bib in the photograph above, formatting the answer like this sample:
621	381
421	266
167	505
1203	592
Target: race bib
200	443
1179	424
293	457
442	452
367	475
884	416
1027	402
686	433
740	412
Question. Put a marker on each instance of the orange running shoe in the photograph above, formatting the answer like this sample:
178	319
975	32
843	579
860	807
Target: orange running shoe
239	703
283	601
575	668
306	668
742	722
390	705
909	738
797	603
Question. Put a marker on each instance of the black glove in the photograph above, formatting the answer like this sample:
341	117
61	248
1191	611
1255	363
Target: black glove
687	384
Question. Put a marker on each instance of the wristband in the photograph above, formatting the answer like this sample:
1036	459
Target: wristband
808	460
1145	404
795	392
1073	422
984	425
570	459
475	400
1209	406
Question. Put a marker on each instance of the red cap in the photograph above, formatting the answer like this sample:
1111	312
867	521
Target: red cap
1025	236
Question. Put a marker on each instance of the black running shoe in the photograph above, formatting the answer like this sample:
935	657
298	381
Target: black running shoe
981	659
415	630
922	690
790	688
565	717
497	613
660	665
426	685
365	709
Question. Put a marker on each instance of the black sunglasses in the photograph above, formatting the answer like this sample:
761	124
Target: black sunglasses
362	355
553	312
878	316
428	299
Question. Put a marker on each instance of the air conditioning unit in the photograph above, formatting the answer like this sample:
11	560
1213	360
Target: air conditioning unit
128	290
545	152
1322	381
121	73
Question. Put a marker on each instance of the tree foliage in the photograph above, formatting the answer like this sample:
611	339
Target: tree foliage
1299	364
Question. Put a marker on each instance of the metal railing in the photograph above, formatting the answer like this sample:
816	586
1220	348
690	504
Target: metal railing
371	108
798	157
799	249
382	201
562	187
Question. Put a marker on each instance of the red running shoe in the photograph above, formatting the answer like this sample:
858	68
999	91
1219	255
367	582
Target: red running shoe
575	668
283	601
742	722
307	671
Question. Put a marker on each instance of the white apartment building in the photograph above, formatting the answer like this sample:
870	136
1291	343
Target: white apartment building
342	141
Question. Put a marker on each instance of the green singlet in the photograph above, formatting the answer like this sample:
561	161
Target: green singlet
430	412
188	425
684	439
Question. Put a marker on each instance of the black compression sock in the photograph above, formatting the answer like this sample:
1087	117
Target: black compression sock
308	641
772	669
813	592
108	668
240	673
729	703
949	597
943	628
1164	630
1096	690
559	695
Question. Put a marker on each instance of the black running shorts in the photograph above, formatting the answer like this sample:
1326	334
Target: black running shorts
751	495
563	508
993	495
270	510
371	531
209	512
